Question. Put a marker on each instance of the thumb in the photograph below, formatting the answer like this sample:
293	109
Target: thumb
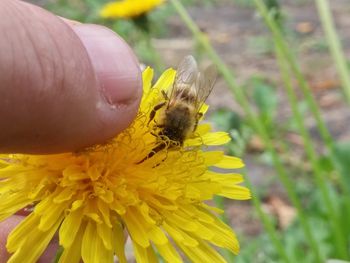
62	86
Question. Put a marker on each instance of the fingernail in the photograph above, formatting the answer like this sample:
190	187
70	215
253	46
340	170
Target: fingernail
116	67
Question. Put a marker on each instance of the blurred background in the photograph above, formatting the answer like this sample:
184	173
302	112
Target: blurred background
282	95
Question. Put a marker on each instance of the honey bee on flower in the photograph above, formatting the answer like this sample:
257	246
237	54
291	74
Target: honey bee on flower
182	107
91	198
180	111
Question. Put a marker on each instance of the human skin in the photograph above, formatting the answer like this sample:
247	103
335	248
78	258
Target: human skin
63	86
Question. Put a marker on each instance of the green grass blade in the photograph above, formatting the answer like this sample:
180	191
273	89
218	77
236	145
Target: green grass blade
335	45
259	127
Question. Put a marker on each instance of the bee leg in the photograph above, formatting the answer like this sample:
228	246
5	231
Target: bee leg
154	134
155	150
165	95
154	111
199	115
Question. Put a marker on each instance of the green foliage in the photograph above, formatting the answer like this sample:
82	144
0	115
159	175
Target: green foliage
342	154
85	11
260	249
245	3
58	254
261	45
265	98
240	132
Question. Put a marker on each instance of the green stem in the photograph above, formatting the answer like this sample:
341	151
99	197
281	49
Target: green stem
289	58
266	222
158	64
329	143
219	202
58	255
335	45
258	125
312	155
281	44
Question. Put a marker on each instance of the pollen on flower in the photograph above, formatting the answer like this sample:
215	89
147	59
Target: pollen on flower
90	198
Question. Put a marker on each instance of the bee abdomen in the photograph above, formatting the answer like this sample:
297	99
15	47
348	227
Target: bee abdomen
178	123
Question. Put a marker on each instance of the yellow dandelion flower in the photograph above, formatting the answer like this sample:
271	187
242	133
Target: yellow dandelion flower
92	197
129	8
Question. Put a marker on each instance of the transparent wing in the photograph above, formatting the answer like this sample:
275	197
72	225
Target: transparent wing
187	71
205	84
186	75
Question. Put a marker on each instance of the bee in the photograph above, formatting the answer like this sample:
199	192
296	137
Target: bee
180	110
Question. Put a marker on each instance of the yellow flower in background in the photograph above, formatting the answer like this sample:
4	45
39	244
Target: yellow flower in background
90	198
129	8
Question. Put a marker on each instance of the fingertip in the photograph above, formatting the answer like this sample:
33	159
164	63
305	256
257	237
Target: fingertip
115	65
83	84
118	76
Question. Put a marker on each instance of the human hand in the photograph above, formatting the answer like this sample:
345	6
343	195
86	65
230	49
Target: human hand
63	86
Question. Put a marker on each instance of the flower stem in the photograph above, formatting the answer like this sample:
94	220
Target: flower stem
335	45
312	155
287	56
281	44
58	255
258	125
158	64
266	222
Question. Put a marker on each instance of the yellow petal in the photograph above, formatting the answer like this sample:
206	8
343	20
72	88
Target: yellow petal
202	253
213	157
180	236
235	192
230	162
224	236
197	211
20	233
147	76
137	227
144	209
72	254
92	249
169	253
70	227
216	138
105	234
157	236
144	255
117	207
206	190
51	216
77	204
119	242
228	179
166	80
212	138
30	253
75	172
203	128
182	221
204	108
105	212
11	203
64	195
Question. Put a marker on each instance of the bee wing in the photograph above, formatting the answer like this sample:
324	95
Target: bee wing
186	75
187	71
205	84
